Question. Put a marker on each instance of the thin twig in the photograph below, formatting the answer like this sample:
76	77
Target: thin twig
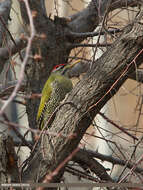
117	126
16	131
91	34
11	37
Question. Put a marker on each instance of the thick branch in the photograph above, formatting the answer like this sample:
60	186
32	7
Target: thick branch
113	160
41	22
84	159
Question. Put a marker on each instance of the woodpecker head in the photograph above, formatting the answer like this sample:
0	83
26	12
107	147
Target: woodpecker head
63	69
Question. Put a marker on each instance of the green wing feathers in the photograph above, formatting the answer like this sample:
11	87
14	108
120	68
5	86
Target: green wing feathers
54	91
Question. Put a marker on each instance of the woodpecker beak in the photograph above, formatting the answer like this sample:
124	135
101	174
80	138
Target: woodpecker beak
74	63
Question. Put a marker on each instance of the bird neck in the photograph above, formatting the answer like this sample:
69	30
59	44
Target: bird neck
62	72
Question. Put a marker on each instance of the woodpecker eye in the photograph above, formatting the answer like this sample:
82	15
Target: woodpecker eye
57	67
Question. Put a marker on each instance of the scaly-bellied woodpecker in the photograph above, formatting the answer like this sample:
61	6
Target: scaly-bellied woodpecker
54	91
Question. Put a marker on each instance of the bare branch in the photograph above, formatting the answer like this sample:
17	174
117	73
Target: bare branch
137	75
12	49
120	128
85	159
139	161
89	18
17	132
113	160
124	3
24	61
80	174
8	89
